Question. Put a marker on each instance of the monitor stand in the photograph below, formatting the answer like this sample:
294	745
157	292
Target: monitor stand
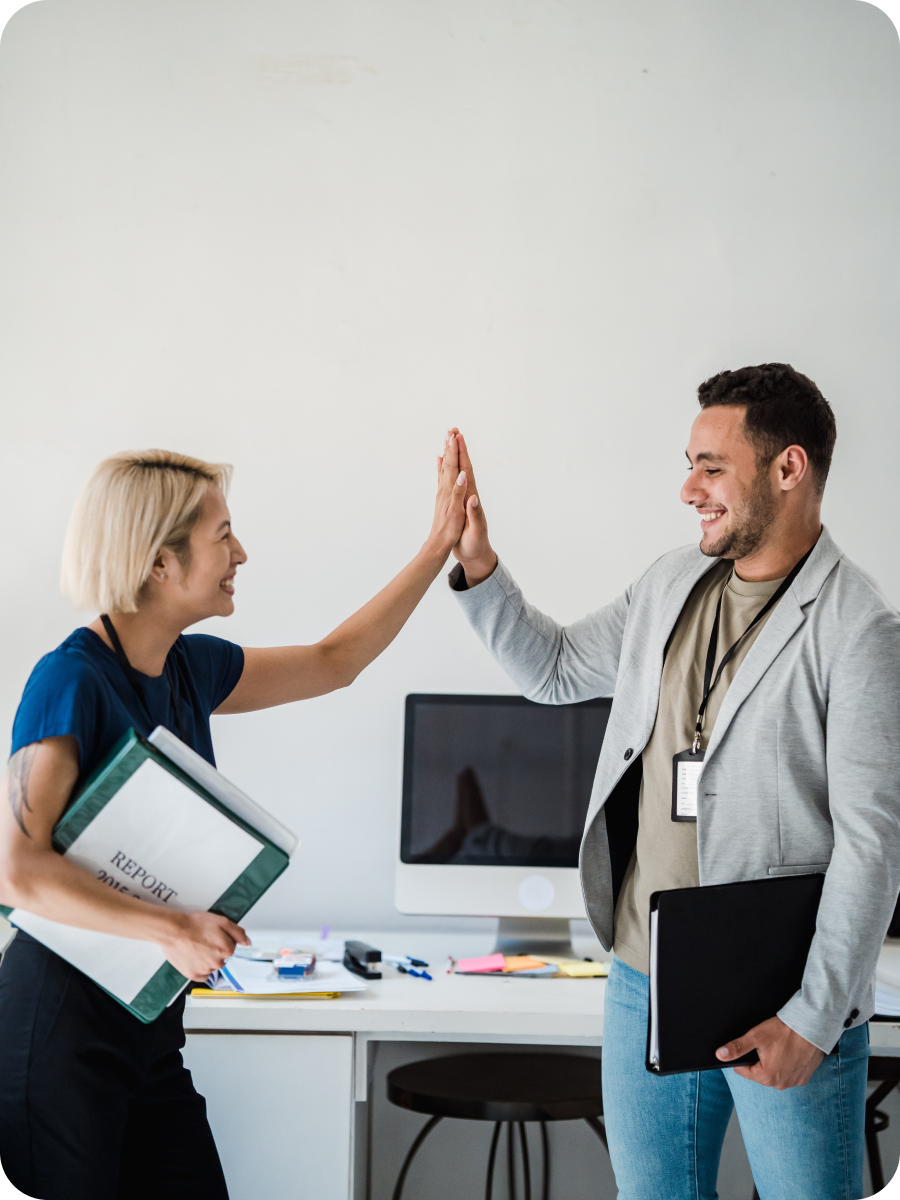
534	935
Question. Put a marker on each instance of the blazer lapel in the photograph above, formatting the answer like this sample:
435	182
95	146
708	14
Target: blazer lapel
675	597
671	603
781	626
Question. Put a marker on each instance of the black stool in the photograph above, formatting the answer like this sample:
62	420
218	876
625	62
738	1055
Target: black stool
508	1089
886	1073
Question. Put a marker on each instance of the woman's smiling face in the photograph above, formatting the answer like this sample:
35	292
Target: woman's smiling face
203	586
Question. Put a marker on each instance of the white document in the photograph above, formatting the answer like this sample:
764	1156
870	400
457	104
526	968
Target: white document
259	978
887	1004
887	980
157	839
653	1053
121	965
224	791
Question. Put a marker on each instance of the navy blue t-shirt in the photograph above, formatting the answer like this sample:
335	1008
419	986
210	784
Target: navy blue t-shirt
80	689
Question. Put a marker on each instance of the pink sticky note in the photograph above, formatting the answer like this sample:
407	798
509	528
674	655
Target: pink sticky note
489	962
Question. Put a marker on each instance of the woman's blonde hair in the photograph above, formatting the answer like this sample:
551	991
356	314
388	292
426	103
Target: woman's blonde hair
133	504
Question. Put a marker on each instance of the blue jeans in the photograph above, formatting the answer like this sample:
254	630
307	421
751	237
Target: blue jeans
665	1134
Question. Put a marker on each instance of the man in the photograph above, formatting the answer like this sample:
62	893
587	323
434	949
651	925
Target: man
801	773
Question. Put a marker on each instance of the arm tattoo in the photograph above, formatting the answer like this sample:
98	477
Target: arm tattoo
19	773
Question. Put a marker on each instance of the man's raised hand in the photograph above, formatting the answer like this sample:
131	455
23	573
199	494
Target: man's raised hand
473	549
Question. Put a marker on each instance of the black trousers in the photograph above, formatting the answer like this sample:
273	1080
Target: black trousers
95	1105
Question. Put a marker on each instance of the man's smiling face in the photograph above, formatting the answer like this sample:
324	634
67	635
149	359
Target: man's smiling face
733	496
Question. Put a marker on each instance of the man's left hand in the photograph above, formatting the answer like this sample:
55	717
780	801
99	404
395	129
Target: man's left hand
786	1059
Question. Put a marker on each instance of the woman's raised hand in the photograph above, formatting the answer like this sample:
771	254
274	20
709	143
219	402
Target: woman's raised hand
283	674
473	549
450	505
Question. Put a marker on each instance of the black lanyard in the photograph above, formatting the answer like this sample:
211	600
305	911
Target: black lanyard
132	677
708	682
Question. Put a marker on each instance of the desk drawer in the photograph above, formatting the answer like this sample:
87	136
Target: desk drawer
280	1108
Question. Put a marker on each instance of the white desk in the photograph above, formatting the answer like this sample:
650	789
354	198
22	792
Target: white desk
283	1079
277	1101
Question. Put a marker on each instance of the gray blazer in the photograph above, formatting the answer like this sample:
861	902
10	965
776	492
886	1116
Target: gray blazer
802	770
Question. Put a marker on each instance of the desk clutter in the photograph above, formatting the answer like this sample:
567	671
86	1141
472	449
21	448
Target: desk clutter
364	960
283	973
526	966
326	968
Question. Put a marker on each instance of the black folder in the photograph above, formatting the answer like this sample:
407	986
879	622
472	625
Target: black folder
723	959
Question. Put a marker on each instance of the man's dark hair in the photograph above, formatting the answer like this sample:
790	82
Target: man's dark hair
784	408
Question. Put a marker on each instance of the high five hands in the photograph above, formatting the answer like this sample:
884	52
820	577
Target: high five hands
471	546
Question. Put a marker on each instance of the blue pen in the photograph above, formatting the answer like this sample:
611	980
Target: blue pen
231	979
403	960
411	971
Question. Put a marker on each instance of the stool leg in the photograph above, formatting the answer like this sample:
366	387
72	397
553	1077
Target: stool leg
511	1159
526	1165
423	1134
545	1147
875	1122
875	1168
489	1187
599	1130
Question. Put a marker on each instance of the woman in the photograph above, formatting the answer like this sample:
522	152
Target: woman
95	1105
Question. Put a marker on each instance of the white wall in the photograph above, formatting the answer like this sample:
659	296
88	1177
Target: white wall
305	237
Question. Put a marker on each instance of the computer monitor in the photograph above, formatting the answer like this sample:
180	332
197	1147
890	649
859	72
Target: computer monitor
495	793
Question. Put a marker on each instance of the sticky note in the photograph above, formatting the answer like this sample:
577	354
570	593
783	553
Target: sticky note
488	962
577	969
523	962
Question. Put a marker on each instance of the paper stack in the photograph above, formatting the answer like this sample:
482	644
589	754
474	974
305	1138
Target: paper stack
887	979
243	978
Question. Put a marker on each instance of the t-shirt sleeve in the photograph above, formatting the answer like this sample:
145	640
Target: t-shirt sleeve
62	697
216	666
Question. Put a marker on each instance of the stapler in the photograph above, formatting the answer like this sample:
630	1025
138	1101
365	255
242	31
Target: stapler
358	958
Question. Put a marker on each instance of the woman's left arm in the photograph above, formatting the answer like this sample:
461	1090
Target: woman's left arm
282	674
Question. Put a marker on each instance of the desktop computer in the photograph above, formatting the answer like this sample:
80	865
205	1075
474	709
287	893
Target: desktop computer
495	794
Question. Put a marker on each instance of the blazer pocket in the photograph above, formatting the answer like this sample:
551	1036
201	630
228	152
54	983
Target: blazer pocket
799	869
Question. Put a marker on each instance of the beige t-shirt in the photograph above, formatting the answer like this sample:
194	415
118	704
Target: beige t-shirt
666	852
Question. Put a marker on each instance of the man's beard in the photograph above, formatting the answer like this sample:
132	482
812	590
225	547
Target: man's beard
750	523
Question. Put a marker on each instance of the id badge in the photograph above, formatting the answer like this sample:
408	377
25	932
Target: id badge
686	768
